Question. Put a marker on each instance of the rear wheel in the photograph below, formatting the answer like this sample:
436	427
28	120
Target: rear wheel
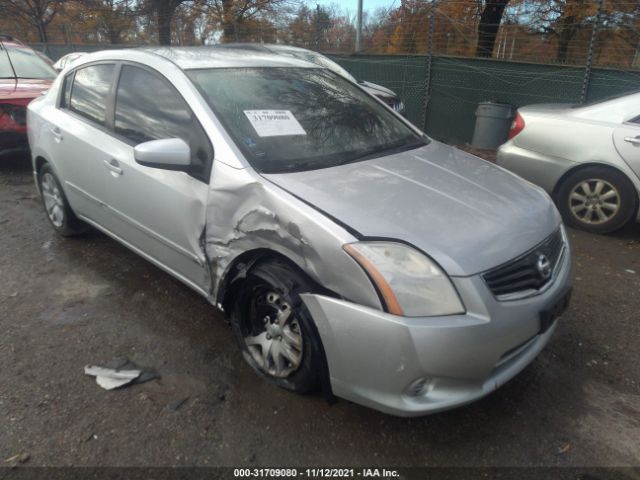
56	206
274	328
597	199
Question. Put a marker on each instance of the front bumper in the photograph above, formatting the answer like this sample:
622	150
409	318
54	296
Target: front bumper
374	357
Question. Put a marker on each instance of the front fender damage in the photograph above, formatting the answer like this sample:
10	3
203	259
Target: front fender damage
247	213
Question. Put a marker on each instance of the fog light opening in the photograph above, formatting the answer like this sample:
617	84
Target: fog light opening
420	387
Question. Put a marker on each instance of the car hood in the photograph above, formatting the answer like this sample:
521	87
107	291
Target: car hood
377	90
23	88
466	213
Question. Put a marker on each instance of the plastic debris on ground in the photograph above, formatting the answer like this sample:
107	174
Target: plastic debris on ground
119	374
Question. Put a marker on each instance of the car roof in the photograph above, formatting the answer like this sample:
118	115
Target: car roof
305	54
617	109
188	58
265	47
71	54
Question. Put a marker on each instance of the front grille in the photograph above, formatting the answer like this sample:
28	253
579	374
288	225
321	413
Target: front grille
529	272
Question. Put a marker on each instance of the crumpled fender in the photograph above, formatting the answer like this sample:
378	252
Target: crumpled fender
246	212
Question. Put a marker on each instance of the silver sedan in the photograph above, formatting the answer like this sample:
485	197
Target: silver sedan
586	157
349	251
67	60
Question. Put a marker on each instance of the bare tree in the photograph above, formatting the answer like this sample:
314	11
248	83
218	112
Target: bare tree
113	18
229	14
563	19
490	18
38	13
164	11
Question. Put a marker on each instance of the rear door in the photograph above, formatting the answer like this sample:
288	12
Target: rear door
627	141
158	211
78	138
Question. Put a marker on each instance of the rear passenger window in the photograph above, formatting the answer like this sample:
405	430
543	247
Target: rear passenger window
149	108
90	91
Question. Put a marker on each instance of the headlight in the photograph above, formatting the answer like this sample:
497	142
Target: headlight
410	283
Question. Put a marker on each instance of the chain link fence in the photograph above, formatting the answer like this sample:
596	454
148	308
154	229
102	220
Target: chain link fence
458	84
434	53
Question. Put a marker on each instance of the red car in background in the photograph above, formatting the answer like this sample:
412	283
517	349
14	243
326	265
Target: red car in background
23	76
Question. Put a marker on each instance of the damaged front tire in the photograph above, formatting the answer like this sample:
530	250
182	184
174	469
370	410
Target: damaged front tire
274	328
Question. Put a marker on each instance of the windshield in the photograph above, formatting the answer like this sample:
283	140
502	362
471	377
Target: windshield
292	119
23	62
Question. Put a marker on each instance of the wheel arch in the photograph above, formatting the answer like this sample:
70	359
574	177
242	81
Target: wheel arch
608	166
582	166
229	287
39	162
238	268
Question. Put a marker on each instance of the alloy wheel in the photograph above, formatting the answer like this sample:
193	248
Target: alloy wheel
594	201
53	202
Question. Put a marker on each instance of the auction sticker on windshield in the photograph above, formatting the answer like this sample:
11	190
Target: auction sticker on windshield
274	123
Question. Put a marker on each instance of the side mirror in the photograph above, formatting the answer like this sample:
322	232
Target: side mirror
169	153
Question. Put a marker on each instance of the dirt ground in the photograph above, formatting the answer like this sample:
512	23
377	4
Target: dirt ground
65	303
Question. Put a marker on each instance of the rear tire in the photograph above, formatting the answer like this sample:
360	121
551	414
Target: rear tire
597	199
56	206
274	329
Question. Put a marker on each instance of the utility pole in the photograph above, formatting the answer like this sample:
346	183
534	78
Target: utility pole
429	65
359	27
590	53
317	27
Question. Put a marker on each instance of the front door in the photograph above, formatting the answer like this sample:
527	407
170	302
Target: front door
158	211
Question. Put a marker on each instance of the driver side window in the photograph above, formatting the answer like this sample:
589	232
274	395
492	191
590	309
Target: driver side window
148	108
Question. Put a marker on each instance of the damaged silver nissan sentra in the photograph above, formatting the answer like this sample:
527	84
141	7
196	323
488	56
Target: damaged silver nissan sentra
347	248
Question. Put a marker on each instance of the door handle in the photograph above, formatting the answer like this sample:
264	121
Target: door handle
113	165
632	140
57	134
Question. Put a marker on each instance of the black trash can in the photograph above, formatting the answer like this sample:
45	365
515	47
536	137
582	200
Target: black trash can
493	122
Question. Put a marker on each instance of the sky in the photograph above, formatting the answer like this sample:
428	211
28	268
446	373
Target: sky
352	5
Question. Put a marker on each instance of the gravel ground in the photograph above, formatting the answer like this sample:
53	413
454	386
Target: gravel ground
65	303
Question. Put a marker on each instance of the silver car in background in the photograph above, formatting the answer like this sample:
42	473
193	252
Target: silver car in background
67	60
383	93
348	250
587	157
